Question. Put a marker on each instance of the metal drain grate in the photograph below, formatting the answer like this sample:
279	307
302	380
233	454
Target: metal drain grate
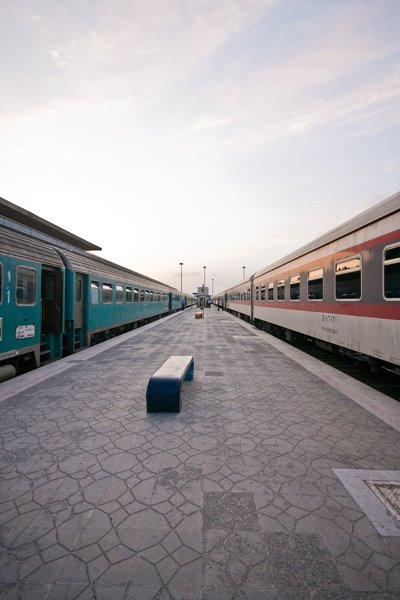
388	492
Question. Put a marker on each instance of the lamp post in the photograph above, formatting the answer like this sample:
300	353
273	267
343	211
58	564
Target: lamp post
204	289
244	272
181	264
212	289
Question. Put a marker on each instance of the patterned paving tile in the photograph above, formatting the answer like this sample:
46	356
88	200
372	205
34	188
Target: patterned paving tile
234	498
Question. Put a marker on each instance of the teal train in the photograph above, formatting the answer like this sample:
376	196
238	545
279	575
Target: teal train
56	297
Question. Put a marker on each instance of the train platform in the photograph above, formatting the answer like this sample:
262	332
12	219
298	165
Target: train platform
267	485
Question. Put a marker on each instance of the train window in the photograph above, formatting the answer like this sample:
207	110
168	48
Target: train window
48	288
348	279
1	283
78	290
316	284
107	293
25	289
119	293
135	295
295	287
151	298
280	287
142	296
128	294
147	296
257	292
270	291
94	292
391	272
262	295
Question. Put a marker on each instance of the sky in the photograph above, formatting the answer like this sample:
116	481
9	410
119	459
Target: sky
217	133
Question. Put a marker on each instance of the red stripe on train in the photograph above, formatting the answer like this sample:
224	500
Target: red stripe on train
377	311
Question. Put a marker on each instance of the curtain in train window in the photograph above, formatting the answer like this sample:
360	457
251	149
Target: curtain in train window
94	292
119	293
348	279
107	293
392	272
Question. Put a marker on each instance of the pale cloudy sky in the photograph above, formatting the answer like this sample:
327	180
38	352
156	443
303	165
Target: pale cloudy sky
213	132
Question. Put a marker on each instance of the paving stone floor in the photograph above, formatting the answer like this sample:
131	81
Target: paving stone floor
234	498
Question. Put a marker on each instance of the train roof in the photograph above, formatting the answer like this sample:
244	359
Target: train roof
371	215
24	217
83	262
19	245
24	244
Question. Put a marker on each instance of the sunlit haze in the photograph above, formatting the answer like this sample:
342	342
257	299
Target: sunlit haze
223	133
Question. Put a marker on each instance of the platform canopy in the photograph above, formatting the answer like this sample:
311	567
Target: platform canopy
24	217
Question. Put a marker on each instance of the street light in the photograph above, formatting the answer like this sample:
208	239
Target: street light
212	288
244	272
204	289
181	264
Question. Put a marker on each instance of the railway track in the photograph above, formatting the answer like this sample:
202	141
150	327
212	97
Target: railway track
383	380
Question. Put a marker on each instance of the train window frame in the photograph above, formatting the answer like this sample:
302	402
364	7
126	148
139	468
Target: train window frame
119	293
135	295
141	296
128	294
94	285
385	263
18	300
270	296
312	276
107	287
280	284
262	293
337	274
294	284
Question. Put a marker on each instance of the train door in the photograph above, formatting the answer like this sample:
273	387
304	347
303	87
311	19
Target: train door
252	291
79	314
51	314
79	301
51	302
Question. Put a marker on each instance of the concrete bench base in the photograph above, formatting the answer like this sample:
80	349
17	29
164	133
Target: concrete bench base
164	387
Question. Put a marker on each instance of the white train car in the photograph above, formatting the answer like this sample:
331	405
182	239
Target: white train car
341	290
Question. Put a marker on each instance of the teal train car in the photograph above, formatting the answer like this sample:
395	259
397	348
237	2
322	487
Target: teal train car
57	298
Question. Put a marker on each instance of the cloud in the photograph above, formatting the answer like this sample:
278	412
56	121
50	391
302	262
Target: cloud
393	165
342	70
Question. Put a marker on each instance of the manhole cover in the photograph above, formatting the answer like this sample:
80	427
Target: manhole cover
389	493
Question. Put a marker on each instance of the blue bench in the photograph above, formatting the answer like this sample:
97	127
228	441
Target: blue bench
164	387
